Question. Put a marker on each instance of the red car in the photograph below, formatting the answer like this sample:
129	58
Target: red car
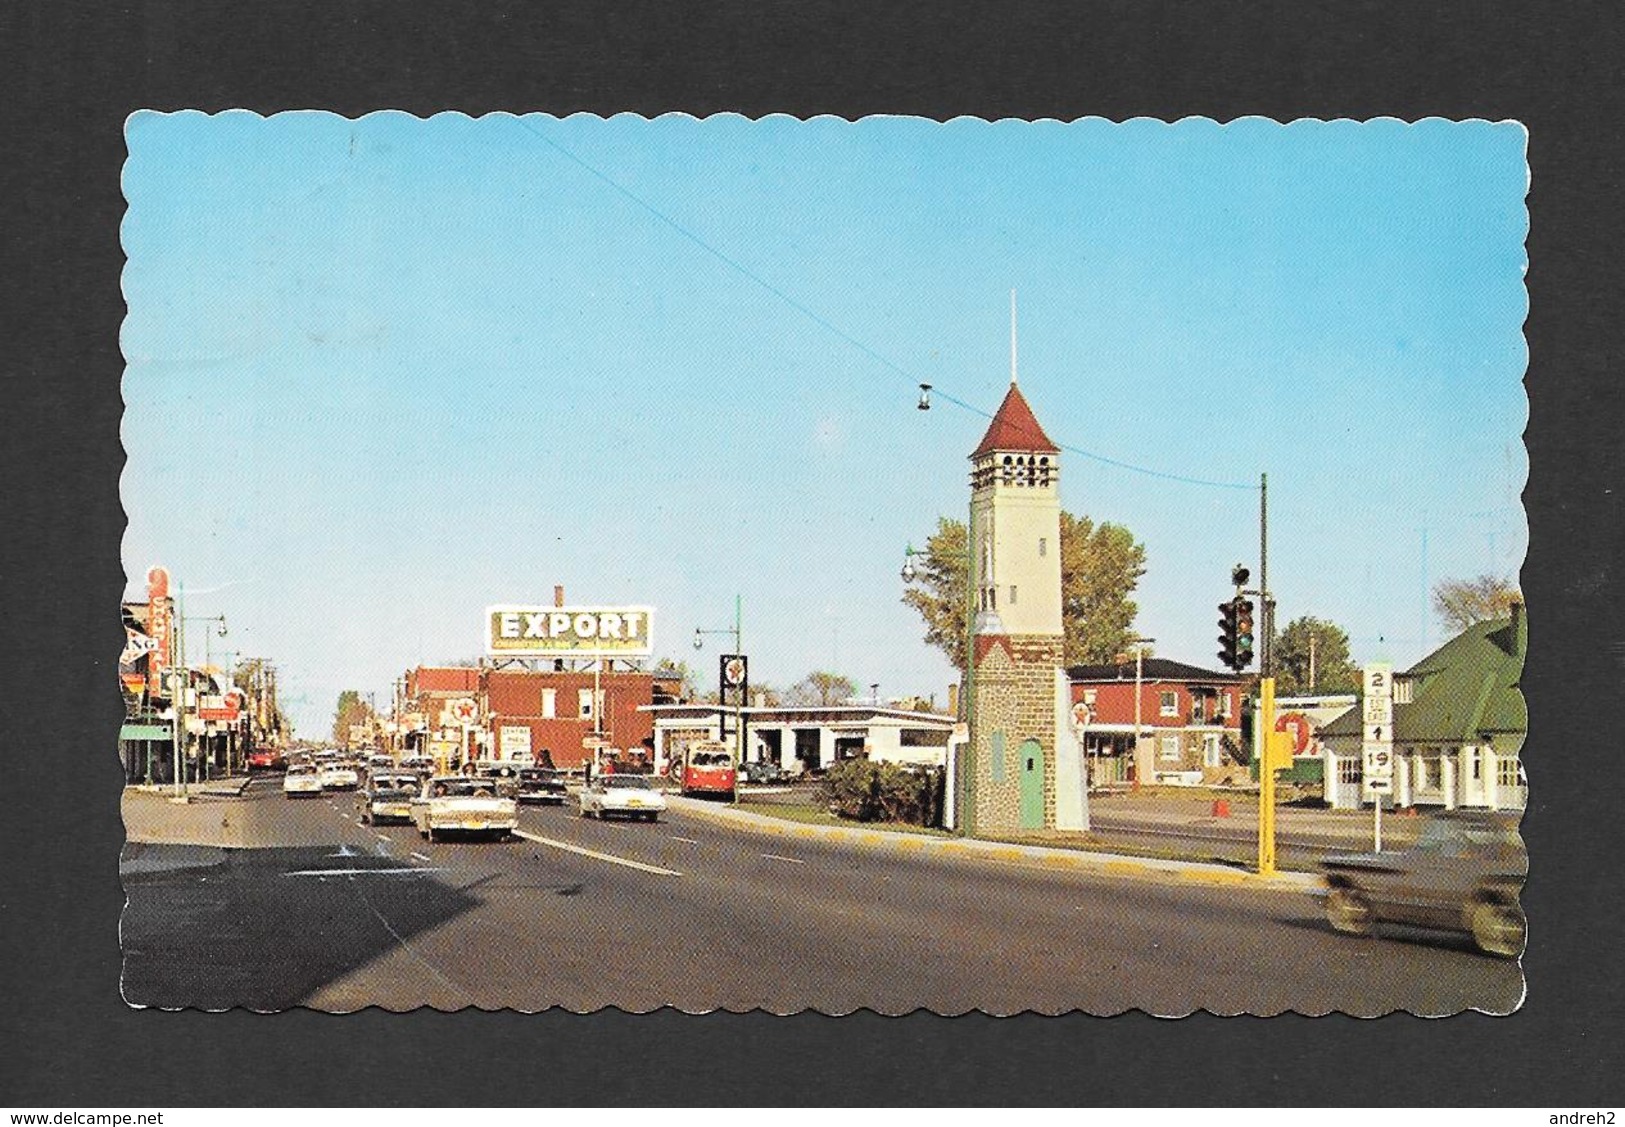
266	759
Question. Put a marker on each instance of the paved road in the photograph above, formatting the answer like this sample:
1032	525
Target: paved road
322	911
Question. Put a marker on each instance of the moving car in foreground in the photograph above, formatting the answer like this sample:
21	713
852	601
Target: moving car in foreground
630	795
453	803
301	781
541	784
388	795
1463	874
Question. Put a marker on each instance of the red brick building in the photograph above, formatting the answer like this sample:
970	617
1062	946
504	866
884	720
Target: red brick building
1189	722
519	713
527	712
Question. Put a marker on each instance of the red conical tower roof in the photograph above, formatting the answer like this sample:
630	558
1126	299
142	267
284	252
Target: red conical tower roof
1015	427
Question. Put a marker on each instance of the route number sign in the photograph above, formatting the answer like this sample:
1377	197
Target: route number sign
1377	744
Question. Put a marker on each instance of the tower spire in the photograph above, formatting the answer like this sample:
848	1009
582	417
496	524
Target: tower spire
1012	338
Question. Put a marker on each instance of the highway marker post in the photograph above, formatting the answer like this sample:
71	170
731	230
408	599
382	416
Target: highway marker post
1377	741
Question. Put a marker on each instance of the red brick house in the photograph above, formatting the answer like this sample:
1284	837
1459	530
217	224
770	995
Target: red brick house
527	712
519	713
1189	722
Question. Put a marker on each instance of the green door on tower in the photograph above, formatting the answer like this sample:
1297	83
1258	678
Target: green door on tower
1031	765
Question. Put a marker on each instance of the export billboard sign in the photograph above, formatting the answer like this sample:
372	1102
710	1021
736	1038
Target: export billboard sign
530	631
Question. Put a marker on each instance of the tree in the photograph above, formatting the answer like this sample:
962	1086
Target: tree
820	687
1100	567
351	709
939	589
1312	656
1460	603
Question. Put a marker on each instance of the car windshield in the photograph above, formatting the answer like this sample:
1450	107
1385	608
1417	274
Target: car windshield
633	782
397	782
301	769
709	759
464	788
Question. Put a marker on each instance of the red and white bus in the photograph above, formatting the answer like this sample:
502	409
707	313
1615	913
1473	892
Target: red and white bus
708	769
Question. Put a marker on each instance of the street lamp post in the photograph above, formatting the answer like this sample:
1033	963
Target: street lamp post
208	660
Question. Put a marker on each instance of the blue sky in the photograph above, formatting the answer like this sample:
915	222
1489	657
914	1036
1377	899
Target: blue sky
383	373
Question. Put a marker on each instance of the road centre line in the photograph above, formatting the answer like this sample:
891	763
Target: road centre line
593	853
418	857
780	857
381	837
686	840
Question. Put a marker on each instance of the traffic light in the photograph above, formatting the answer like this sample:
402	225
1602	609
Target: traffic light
1228	622
1244	633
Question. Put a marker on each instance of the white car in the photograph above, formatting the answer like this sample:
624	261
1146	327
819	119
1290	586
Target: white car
388	795
460	803
630	795
338	775
301	781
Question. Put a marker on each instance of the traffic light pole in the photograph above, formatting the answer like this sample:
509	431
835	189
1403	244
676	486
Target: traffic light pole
1274	748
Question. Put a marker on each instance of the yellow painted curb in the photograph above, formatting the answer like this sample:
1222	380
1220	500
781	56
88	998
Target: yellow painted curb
1214	878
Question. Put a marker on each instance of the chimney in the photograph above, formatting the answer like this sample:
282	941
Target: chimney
1520	629
558	594
953	699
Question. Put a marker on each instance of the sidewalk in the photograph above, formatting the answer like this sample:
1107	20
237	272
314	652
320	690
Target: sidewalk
152	816
1076	860
229	787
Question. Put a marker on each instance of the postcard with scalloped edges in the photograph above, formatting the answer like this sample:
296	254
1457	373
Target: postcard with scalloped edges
813	565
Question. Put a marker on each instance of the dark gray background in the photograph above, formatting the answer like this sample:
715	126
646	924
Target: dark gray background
73	71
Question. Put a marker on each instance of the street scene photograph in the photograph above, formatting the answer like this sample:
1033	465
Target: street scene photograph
824	565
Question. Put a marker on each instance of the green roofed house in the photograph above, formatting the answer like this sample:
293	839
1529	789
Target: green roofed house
1459	725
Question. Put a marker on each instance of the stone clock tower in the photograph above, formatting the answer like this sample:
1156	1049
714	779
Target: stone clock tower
1024	770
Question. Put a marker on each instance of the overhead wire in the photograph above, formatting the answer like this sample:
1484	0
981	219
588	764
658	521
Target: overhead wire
812	315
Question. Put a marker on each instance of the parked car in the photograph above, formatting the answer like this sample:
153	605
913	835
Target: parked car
389	795
301	781
337	774
541	784
1464	874
762	771
633	796
462	803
